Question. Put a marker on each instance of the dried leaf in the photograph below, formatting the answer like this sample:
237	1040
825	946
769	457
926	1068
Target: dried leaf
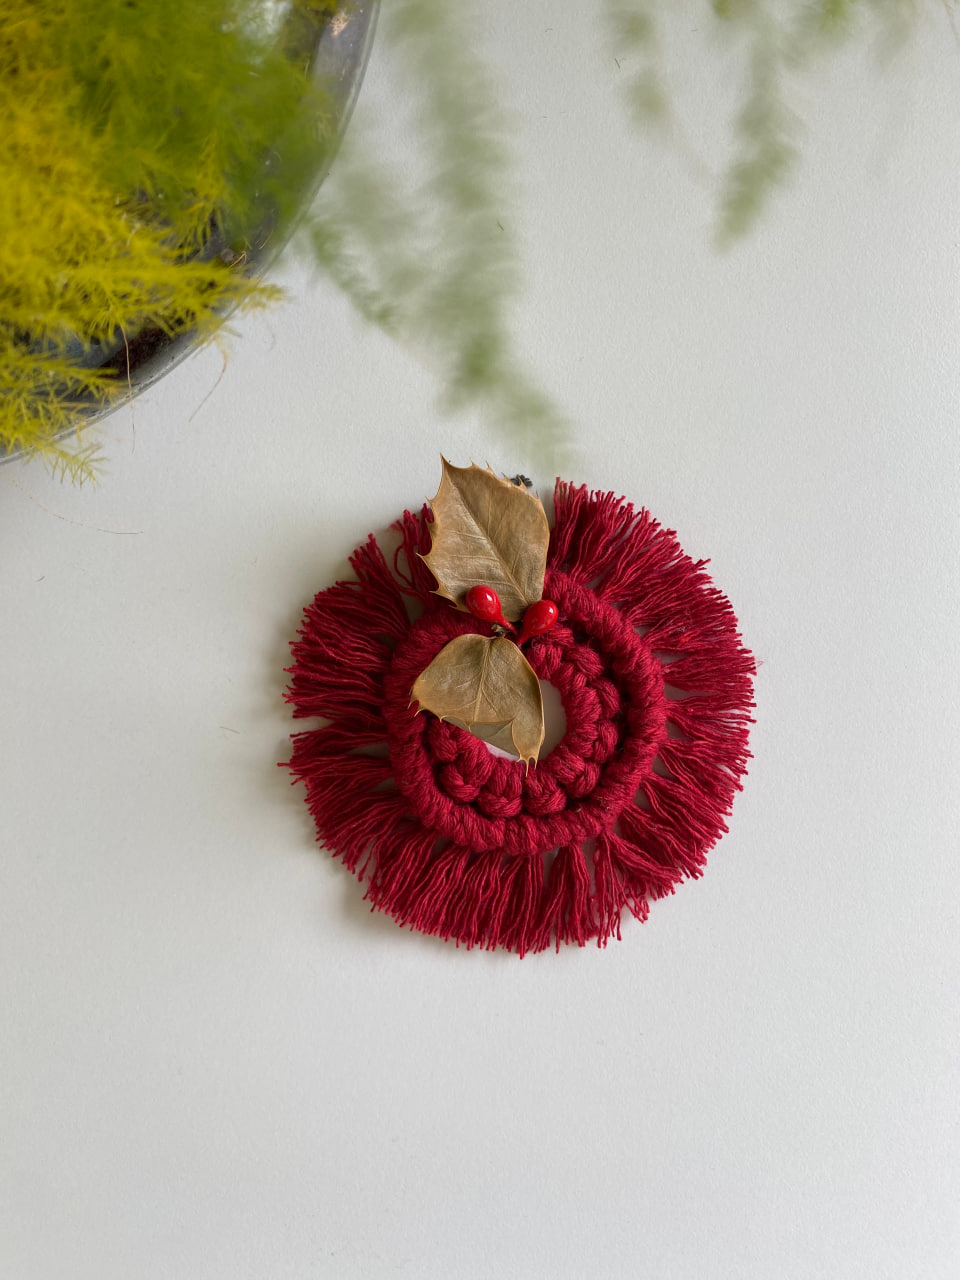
490	531
486	685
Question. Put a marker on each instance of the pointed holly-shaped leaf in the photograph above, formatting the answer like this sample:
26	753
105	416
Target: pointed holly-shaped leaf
487	531
486	685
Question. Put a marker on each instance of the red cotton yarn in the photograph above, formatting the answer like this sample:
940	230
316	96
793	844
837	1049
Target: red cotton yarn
456	842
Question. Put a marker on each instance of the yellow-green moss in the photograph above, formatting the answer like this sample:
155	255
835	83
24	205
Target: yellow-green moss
130	129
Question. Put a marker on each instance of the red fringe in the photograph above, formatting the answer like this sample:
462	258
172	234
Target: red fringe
415	542
566	911
346	642
487	899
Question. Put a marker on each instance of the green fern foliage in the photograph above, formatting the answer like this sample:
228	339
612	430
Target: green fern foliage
634	33
778	40
430	257
147	146
142	144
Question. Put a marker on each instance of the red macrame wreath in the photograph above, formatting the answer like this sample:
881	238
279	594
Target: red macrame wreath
458	842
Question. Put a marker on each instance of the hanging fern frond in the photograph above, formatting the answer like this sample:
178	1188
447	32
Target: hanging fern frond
778	40
433	261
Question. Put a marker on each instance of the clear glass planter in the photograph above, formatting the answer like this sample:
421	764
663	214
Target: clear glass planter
334	47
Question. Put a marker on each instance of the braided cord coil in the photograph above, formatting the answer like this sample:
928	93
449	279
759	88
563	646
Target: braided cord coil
656	688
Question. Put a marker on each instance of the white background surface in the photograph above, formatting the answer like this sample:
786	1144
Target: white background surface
216	1065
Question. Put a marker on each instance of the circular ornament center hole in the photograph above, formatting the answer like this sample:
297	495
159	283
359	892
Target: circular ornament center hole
554	718
554	723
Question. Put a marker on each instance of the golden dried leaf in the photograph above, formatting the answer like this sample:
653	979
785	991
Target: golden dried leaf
487	686
490	531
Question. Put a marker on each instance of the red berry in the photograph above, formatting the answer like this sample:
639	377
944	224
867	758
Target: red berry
539	618
484	603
